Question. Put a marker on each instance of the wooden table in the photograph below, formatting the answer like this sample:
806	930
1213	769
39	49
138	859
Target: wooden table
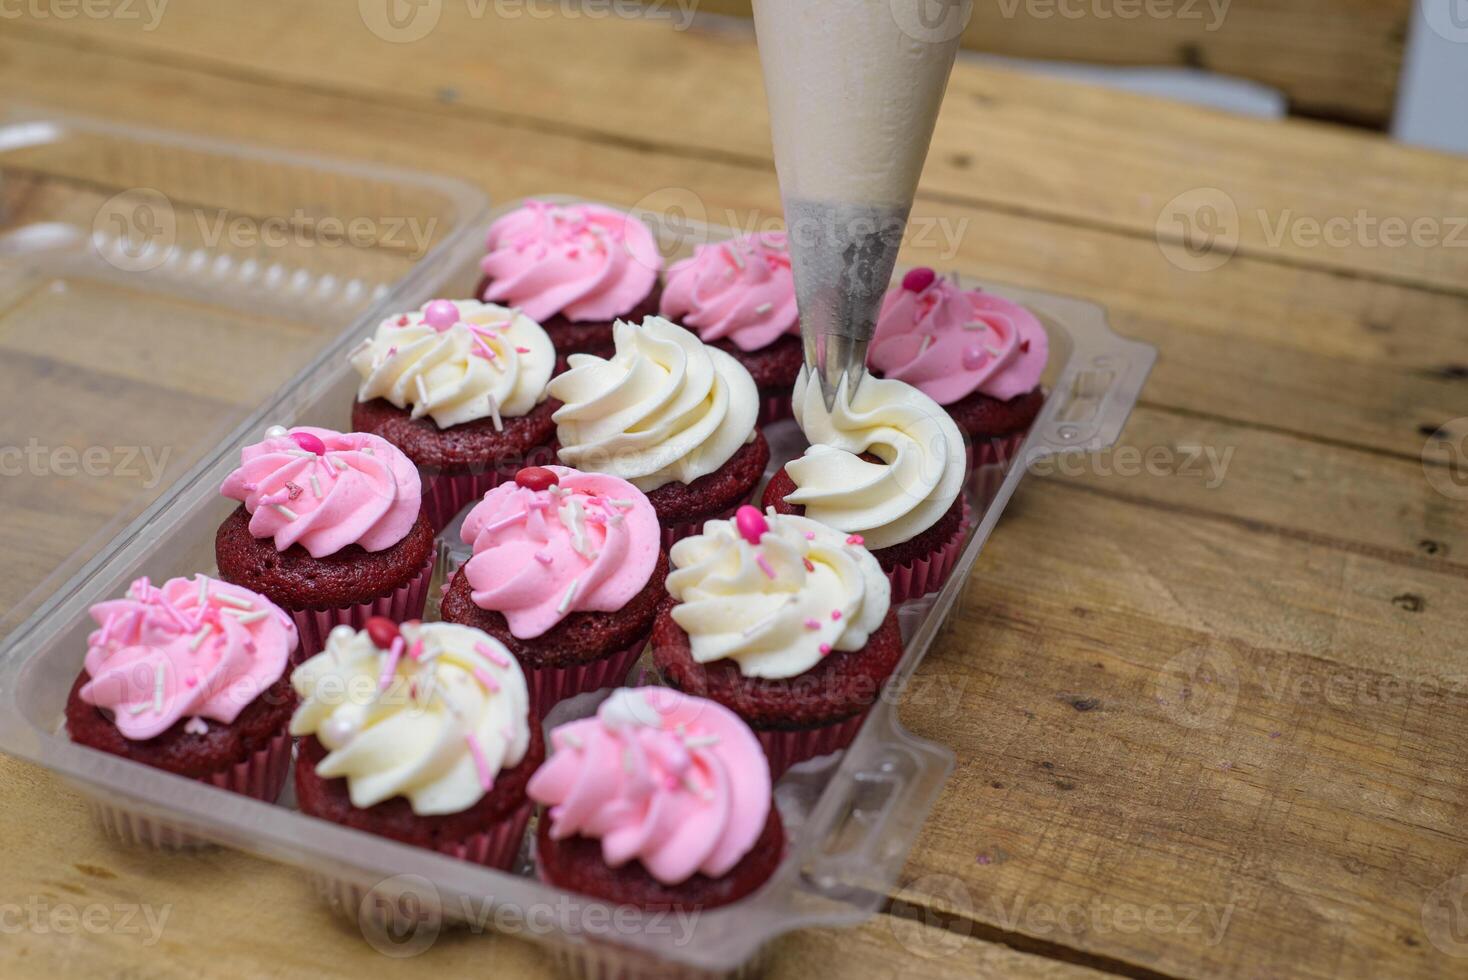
1209	720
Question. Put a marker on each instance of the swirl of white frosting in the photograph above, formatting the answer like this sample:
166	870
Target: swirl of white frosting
493	363
778	607
435	722
921	451
664	408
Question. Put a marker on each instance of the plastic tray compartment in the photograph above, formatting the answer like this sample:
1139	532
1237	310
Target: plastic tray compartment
852	818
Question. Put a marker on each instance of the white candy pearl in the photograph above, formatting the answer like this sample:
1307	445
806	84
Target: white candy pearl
276	431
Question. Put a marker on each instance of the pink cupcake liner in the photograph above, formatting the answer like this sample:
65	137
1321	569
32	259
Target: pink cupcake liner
673	533
497	847
262	776
989	464
923	575
551	685
405	602
774	408
785	748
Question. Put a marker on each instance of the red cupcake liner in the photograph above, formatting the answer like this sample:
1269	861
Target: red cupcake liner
673	533
262	776
445	494
923	575
989	463
550	686
784	749
497	847
774	408
405	602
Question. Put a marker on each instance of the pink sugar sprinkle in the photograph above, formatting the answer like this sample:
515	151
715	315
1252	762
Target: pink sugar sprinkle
825	649
402	321
764	565
251	487
812	624
522	350
491	654
835	615
390	665
481	763
489	683
192	681
543	557
808	566
417	650
856	539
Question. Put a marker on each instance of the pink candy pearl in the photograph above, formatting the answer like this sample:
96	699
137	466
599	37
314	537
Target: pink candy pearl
441	314
750	523
918	279
972	358
310	443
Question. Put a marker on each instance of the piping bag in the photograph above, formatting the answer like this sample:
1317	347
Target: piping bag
854	88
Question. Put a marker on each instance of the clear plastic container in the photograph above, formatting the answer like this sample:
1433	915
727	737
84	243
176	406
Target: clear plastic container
80	248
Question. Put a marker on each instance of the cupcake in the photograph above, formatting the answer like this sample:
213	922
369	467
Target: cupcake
574	268
459	387
421	733
739	296
567	573
886	468
784	621
977	355
659	802
671	416
190	678
331	529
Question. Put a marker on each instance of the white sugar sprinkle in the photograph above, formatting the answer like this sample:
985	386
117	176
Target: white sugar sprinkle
201	636
158	689
285	511
236	601
570	594
700	741
764	308
248	617
337	462
316	486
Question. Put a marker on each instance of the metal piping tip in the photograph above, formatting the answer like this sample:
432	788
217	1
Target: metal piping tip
840	360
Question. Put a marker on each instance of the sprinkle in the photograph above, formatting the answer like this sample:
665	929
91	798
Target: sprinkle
976	325
812	624
856	539
494	413
391	352
191	681
764	565
810	535
285	511
299	453
158	689
628	765
808	566
483	349
825	649
522	350
764	308
232	600
196	726
403	320
251	487
486	681
571	739
923	347
136	709
203	591
700	741
734	254
615	520
200	636
504	522
416	650
337	462
422	390
570	594
245	618
491	654
621	503
835	615
543	557
992	351
293	490
173	612
316	486
390	663
481	762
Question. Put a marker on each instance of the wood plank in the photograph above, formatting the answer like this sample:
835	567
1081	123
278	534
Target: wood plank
220	913
1337	60
1394	368
1008	140
1169	717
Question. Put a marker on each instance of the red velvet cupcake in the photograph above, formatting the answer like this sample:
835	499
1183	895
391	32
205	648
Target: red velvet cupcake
670	415
573	268
190	678
567	573
977	355
739	295
421	733
886	468
658	802
459	387
331	530
786	623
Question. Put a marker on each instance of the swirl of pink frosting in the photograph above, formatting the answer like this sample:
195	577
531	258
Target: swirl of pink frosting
325	490
584	261
949	342
195	646
741	289
679	783
586	544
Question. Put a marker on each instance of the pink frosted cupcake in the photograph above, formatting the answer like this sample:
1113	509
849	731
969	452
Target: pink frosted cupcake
739	296
331	529
977	355
190	678
573	268
459	387
567	573
886	467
